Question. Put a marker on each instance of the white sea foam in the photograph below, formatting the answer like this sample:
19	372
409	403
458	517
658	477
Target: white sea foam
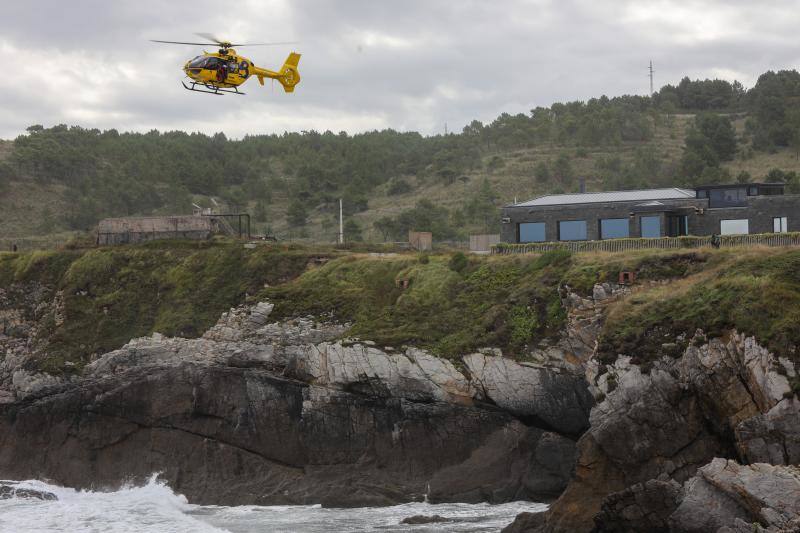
154	507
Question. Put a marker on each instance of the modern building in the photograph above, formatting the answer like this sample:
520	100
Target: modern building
706	210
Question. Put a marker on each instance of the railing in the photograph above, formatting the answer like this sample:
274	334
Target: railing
622	245
26	244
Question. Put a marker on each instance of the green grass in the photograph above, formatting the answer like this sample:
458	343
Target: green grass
503	302
111	295
453	304
757	292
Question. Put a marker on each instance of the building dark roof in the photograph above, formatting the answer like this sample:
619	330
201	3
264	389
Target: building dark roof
610	196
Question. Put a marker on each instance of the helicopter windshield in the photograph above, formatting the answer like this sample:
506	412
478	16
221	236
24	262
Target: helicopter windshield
197	62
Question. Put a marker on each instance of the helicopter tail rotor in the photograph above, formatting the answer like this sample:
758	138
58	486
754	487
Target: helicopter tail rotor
288	75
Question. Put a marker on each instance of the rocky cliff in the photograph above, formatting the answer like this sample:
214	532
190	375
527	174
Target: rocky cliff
703	442
669	405
267	412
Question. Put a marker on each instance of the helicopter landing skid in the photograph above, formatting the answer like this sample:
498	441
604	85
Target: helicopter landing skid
212	89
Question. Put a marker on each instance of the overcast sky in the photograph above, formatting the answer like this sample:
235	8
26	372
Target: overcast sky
370	64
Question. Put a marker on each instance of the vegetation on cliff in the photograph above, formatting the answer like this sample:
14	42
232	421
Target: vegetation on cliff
756	291
104	297
450	304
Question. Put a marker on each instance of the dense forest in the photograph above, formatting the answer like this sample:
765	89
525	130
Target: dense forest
108	173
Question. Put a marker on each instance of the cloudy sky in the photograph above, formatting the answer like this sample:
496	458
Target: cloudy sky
370	64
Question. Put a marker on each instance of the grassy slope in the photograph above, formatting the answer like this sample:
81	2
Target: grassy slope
113	295
756	291
452	306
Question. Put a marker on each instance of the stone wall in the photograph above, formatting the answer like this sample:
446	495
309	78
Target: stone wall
138	229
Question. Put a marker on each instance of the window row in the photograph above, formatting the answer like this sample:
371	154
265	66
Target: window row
619	228
741	226
577	230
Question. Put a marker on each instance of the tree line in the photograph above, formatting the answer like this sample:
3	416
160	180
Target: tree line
108	173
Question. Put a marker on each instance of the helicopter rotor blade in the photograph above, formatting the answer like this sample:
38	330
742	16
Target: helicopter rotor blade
265	44
211	37
177	42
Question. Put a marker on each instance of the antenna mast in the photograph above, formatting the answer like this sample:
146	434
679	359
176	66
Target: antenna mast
651	77
341	223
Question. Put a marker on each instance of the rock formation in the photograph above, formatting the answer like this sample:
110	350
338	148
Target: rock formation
677	436
288	413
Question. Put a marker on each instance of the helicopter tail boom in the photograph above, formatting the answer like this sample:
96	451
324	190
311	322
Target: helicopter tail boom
288	75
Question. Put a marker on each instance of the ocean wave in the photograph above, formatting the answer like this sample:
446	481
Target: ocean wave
154	506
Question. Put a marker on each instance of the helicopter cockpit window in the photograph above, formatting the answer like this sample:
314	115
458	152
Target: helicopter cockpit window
197	62
212	63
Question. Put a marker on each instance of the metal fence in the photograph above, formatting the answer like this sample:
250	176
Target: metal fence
622	245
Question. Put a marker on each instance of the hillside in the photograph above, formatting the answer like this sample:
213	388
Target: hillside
61	180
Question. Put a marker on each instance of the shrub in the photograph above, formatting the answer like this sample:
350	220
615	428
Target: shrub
458	262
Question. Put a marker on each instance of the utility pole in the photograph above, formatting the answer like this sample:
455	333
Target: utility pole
341	223
651	77
445	129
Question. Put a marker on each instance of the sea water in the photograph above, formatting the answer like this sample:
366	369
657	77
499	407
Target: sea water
154	507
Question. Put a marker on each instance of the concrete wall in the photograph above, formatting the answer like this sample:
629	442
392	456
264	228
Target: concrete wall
760	212
139	229
420	240
483	243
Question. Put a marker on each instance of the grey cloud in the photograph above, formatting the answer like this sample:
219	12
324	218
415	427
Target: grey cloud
411	65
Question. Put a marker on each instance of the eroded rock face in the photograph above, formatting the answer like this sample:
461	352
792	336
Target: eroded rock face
642	507
559	400
726	494
281	412
514	463
724	398
236	436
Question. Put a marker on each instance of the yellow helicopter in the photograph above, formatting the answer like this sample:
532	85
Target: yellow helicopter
225	70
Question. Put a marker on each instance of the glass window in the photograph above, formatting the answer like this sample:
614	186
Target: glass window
753	191
734	227
780	224
614	228
197	62
677	225
532	232
651	227
728	198
572	230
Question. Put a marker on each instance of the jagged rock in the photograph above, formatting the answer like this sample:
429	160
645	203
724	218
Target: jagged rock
772	437
514	463
675	419
302	414
415	375
526	523
10	490
642	507
25	383
260	313
559	400
726	494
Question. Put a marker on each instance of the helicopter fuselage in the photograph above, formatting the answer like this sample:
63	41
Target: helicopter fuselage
222	70
227	69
